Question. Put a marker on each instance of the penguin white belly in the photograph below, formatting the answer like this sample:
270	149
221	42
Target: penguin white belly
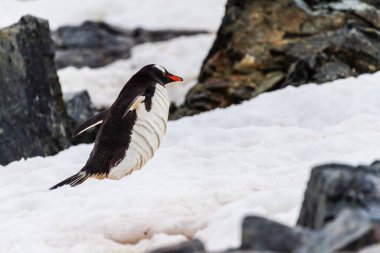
147	132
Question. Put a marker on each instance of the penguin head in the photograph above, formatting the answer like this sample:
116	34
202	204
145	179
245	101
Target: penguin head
159	74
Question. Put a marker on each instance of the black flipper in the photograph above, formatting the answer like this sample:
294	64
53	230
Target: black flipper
90	123
74	180
134	104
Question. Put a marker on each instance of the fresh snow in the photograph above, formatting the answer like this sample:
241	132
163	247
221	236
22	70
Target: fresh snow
152	14
351	5
343	5
211	171
371	249
182	56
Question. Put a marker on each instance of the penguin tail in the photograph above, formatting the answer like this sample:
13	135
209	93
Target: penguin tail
74	180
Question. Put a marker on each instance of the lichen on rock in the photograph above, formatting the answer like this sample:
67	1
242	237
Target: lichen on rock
267	45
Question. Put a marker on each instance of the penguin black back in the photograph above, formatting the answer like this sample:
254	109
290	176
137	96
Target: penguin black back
131	129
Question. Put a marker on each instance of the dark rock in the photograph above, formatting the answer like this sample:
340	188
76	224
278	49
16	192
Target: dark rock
267	45
333	187
95	44
339	54
318	2
260	234
373	2
33	118
90	44
79	109
141	35
352	230
193	246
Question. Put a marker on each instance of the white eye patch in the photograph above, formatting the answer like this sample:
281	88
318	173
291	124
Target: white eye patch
160	68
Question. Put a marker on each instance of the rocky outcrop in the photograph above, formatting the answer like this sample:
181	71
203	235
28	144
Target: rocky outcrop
334	187
95	44
260	234
349	232
340	213
266	45
79	109
337	191
33	118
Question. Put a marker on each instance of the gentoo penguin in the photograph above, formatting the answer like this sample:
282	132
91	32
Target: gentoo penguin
131	129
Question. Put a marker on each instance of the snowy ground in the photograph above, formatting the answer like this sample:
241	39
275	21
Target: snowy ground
212	170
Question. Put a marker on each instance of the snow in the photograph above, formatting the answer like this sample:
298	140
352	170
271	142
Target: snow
371	249
351	5
211	171
153	14
182	56
343	5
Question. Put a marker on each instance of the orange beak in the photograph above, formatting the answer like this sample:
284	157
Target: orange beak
175	78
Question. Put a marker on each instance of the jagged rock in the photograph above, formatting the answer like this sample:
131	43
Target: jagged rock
260	234
266	45
336	187
79	109
33	118
193	246
338	54
95	44
333	187
349	232
352	230
90	44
